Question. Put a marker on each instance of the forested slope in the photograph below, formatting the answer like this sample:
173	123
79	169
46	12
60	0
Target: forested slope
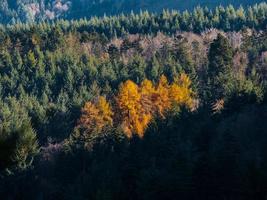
117	6
140	106
12	11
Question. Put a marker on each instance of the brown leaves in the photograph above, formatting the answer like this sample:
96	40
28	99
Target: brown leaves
218	106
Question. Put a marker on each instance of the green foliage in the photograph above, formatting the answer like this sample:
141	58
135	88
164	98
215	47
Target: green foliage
39	10
220	73
18	141
48	71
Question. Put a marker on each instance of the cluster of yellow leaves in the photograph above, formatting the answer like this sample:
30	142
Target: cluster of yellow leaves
132	113
139	104
136	105
95	116
180	91
161	97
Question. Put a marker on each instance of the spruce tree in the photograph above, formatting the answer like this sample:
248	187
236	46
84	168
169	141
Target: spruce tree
219	73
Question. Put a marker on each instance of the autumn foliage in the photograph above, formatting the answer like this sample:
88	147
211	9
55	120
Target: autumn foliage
95	116
136	105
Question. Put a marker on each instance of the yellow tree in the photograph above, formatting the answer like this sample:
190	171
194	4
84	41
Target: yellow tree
105	110
95	116
134	116
180	91
147	90
128	103
139	104
161	98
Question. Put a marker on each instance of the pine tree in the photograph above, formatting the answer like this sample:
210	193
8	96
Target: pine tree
18	141
220	69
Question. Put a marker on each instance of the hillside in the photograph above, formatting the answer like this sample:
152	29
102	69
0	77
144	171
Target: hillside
111	7
12	11
141	106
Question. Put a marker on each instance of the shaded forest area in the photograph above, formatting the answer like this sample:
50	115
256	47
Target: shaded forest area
138	106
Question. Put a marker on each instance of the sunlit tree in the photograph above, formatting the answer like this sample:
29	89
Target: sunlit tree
95	116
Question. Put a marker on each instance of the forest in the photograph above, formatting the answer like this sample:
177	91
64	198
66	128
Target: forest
16	11
169	105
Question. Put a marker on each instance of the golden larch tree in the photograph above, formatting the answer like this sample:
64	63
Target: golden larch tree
128	100
95	116
147	90
105	110
180	91
137	105
161	98
134	115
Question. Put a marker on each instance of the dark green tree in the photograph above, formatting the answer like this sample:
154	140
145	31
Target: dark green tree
219	73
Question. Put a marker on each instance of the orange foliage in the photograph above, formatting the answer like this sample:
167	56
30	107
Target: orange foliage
147	90
180	91
133	115
105	110
161	98
95	116
137	105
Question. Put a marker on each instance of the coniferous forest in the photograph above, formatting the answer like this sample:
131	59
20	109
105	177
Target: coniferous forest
144	106
15	11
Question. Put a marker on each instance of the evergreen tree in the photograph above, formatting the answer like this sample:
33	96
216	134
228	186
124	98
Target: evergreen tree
18	141
219	73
